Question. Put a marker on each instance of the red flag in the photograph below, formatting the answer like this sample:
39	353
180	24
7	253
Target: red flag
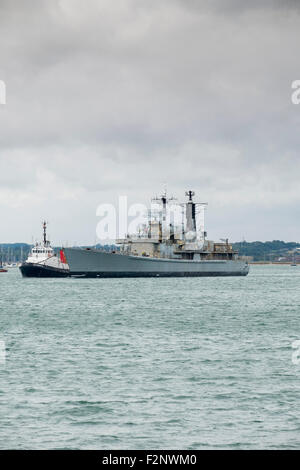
62	257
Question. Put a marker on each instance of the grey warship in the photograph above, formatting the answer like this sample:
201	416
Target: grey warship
161	252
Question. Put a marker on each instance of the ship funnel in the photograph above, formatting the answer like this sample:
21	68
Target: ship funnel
190	213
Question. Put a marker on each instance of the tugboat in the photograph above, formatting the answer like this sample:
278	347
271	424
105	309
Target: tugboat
43	262
2	270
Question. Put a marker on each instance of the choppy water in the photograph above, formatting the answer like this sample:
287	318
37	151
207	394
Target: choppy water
150	363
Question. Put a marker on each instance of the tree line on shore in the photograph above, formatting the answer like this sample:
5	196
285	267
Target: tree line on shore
266	251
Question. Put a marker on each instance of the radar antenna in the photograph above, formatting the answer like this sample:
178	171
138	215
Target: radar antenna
190	195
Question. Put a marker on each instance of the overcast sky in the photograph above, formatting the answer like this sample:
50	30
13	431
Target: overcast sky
108	98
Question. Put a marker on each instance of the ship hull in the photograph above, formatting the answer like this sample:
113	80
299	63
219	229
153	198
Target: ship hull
41	270
95	263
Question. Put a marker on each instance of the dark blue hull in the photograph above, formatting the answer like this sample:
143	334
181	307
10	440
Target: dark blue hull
39	270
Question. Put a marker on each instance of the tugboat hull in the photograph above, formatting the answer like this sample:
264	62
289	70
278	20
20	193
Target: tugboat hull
41	270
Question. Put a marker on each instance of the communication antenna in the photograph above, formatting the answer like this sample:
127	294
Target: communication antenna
190	195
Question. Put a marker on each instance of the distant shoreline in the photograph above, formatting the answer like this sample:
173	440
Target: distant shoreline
273	262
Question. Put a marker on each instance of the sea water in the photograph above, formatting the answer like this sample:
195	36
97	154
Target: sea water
199	363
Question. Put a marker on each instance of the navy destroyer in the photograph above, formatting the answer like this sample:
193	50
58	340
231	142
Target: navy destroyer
43	262
161	252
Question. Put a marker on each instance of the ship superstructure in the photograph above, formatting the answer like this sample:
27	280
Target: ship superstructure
162	249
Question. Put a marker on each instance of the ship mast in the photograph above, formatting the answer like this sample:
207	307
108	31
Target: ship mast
45	232
163	199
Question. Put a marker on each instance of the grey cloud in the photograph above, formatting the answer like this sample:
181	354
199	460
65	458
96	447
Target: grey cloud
118	97
238	6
